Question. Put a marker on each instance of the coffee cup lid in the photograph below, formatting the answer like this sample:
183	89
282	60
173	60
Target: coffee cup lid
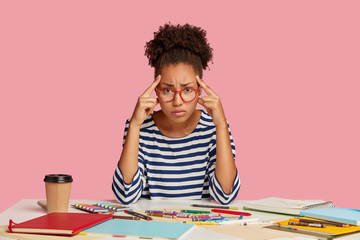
58	178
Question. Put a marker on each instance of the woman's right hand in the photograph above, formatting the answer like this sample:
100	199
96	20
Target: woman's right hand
145	104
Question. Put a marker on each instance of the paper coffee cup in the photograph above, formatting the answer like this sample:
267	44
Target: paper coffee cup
58	188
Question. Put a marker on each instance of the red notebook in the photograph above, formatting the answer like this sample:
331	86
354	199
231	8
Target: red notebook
59	223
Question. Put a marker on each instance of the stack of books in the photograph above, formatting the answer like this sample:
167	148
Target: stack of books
318	218
70	224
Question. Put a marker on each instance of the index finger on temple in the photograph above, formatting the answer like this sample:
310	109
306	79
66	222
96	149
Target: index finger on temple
207	89
153	85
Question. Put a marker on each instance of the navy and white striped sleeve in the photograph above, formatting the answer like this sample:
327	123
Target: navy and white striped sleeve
216	191
127	193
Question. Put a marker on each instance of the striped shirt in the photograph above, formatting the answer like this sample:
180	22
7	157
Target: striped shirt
181	168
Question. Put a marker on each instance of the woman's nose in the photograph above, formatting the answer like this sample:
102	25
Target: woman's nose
177	100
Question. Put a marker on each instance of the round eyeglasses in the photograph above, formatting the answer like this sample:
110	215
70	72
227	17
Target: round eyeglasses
168	95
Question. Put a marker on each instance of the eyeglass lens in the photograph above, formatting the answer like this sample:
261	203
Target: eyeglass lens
187	94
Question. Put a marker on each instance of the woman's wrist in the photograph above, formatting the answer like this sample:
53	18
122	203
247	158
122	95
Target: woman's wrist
134	125
221	124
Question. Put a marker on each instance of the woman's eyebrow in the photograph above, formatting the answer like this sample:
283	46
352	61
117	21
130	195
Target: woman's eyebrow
172	85
168	84
186	84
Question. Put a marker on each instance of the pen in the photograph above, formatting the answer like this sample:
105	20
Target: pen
242	221
207	219
118	215
138	215
259	222
213	206
307	224
208	215
321	222
231	212
126	217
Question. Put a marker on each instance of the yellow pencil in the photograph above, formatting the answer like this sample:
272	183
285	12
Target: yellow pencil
203	223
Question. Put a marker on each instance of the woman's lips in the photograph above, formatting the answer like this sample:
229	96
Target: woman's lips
178	113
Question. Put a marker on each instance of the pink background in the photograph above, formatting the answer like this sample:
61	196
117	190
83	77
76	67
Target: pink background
287	73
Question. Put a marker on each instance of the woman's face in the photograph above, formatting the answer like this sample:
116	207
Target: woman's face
176	78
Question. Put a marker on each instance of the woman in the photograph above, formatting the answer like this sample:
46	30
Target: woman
179	151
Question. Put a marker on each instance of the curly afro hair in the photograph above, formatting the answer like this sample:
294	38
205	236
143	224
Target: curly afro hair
174	44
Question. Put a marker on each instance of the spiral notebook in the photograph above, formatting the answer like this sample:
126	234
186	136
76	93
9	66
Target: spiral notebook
285	206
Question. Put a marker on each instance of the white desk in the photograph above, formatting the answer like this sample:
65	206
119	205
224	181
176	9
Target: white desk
28	208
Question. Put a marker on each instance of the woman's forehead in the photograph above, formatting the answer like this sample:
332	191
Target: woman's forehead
178	74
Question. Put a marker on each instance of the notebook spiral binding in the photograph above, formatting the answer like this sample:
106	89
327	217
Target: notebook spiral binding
320	205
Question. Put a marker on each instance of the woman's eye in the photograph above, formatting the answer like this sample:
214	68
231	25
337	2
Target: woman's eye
167	91
188	90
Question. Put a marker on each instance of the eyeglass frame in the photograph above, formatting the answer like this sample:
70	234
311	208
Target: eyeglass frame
197	90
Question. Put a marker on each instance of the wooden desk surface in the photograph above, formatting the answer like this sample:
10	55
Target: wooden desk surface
28	208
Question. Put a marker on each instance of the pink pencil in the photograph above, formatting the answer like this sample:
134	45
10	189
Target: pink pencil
230	212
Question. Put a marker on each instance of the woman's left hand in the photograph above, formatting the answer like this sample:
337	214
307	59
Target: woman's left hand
212	104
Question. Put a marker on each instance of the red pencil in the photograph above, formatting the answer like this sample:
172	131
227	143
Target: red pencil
231	212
